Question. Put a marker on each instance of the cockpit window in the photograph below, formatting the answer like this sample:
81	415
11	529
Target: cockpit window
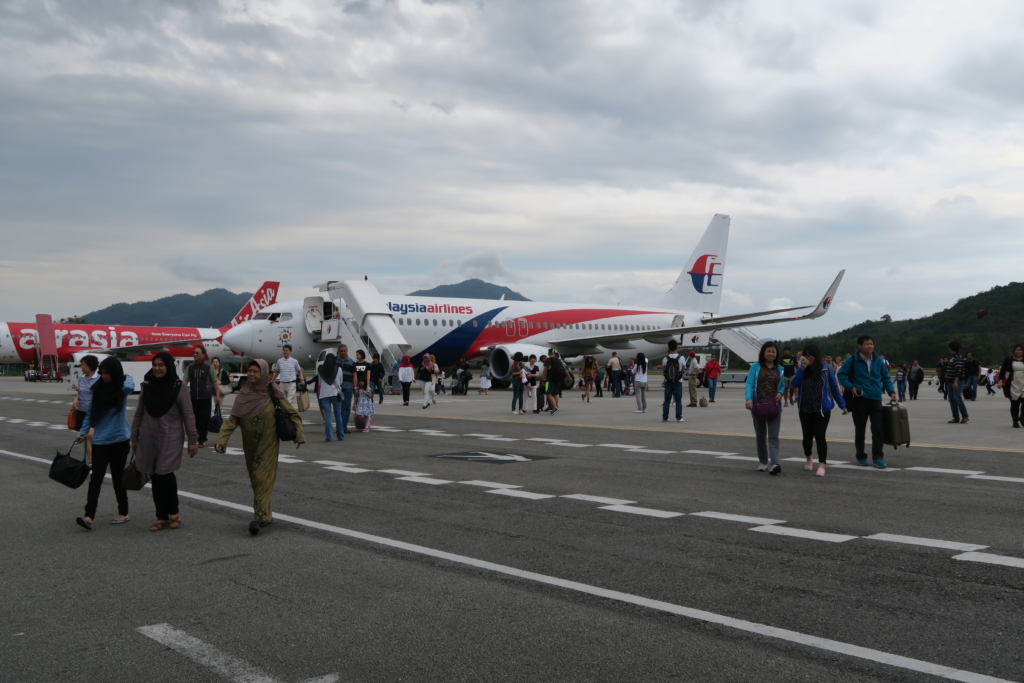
274	317
261	316
285	316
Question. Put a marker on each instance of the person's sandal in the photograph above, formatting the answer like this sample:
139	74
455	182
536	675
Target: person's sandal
159	525
175	521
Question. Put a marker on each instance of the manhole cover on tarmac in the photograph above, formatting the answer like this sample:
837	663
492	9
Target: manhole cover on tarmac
492	458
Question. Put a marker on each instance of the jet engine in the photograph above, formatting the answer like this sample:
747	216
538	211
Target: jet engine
501	362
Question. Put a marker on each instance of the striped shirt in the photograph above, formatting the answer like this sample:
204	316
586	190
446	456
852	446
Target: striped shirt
955	367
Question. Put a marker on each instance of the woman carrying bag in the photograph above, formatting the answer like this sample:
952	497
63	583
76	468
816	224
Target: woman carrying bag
1011	379
255	413
162	420
818	393
764	391
221	379
106	424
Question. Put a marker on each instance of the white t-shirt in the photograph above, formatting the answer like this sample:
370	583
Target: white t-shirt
288	369
639	374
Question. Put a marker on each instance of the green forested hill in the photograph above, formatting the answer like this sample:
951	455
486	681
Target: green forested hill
212	308
471	289
925	339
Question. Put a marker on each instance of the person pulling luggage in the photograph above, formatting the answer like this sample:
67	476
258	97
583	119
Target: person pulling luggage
864	376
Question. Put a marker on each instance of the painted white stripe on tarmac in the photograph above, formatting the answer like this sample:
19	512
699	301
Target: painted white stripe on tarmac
482	436
804	533
424	480
498	438
17	399
547	440
989	558
406	473
520	494
617	445
992	478
649	450
333	462
490	484
350	470
826	644
599	499
941	470
664	514
572	445
737	457
738	518
204	654
15	421
927	542
863	468
709	453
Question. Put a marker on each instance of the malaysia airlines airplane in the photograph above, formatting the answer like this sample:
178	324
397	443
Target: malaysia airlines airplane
18	341
486	330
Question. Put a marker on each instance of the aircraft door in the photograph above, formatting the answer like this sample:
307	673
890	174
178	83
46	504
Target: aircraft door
312	313
510	328
524	328
678	321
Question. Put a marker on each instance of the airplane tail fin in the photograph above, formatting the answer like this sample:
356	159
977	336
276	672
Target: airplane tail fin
265	296
699	286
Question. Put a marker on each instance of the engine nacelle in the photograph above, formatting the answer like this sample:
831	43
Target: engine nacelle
501	358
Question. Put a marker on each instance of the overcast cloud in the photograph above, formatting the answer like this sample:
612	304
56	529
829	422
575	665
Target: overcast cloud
572	150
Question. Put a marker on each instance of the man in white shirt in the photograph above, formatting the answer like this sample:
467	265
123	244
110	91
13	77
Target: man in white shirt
692	377
287	372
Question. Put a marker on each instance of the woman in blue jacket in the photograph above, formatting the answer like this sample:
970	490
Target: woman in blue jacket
106	424
818	394
764	401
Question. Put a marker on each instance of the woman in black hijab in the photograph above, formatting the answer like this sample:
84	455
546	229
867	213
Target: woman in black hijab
162	420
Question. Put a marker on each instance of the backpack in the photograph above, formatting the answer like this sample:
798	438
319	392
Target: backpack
671	370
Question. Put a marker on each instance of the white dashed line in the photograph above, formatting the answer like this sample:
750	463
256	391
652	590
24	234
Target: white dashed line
17	399
425	480
288	460
497	438
350	470
520	494
333	462
941	470
649	512
406	473
649	450
736	457
989	558
804	533
60	427
572	445
599	499
863	468
37	424
14	421
708	453
617	445
547	440
483	436
737	518
927	542
490	484
993	478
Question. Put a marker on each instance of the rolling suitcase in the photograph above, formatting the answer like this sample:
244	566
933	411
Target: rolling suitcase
895	425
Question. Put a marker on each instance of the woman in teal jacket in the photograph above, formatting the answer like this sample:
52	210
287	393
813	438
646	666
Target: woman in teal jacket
818	393
764	392
106	424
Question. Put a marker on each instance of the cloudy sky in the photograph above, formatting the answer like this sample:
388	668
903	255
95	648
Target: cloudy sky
572	150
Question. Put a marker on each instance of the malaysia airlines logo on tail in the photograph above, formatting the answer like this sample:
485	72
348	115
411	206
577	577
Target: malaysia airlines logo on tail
826	302
265	296
703	271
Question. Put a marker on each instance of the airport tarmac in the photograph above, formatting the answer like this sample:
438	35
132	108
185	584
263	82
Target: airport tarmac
464	543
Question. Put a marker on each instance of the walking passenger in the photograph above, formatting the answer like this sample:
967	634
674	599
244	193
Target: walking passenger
533	372
485	378
554	372
865	376
712	371
992	378
817	394
221	379
972	371
915	377
406	373
588	373
287	372
364	407
163	420
83	401
361	375
692	377
516	372
347	368
425	374
106	425
377	377
640	382
253	412
202	392
329	396
901	381
1011	379
954	376
765	391
672	372
465	379
788	364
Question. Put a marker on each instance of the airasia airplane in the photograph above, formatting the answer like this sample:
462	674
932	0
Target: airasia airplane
18	341
493	331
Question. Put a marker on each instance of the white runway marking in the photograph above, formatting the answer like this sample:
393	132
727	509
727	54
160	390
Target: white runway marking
15	421
60	427
406	473
572	445
992	478
709	453
617	445
27	400
17	399
490	484
989	558
350	470
826	644
497	438
649	450
425	480
520	494
333	462
664	514
942	470
599	499
204	654
5	398
547	440
927	542
483	436
804	533
288	460
738	518
425	431
438	434
863	468
37	424
737	457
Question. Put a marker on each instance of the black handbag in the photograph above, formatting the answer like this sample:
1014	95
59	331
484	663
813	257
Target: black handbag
68	471
131	478
286	430
216	422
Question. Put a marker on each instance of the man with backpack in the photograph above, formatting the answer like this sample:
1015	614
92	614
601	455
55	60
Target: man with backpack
672	371
554	372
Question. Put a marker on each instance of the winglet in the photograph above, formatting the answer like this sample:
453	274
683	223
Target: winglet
826	301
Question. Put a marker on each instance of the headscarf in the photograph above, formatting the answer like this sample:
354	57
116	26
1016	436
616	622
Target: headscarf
253	397
160	393
329	369
406	362
107	396
428	362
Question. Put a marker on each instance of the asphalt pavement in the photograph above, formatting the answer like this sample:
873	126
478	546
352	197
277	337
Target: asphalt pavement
461	542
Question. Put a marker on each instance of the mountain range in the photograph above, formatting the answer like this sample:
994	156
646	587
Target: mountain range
471	289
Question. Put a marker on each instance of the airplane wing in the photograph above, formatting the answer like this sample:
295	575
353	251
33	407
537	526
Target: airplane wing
129	352
662	336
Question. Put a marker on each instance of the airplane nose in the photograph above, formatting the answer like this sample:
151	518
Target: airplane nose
239	338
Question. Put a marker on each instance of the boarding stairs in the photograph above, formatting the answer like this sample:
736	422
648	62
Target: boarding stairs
740	341
369	325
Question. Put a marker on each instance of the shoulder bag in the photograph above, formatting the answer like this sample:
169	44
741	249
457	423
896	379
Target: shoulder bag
73	419
286	430
766	409
69	471
216	422
131	478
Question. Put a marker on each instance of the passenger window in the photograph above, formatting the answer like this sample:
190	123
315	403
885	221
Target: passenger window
417	322
451	323
444	323
435	322
400	322
459	322
474	323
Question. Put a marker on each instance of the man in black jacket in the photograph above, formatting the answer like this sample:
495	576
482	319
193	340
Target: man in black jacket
377	377
201	391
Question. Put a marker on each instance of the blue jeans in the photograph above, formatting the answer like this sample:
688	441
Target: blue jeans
712	385
956	400
616	384
901	390
517	395
971	387
346	406
673	390
332	404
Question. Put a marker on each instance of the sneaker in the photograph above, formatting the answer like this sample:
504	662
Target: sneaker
880	464
953	422
808	466
554	411
820	472
664	419
515	412
638	411
762	467
862	463
776	469
681	420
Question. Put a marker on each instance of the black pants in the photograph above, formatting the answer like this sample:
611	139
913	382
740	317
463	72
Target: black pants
202	407
914	386
464	387
814	426
865	409
115	455
378	388
1014	411
405	391
165	495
